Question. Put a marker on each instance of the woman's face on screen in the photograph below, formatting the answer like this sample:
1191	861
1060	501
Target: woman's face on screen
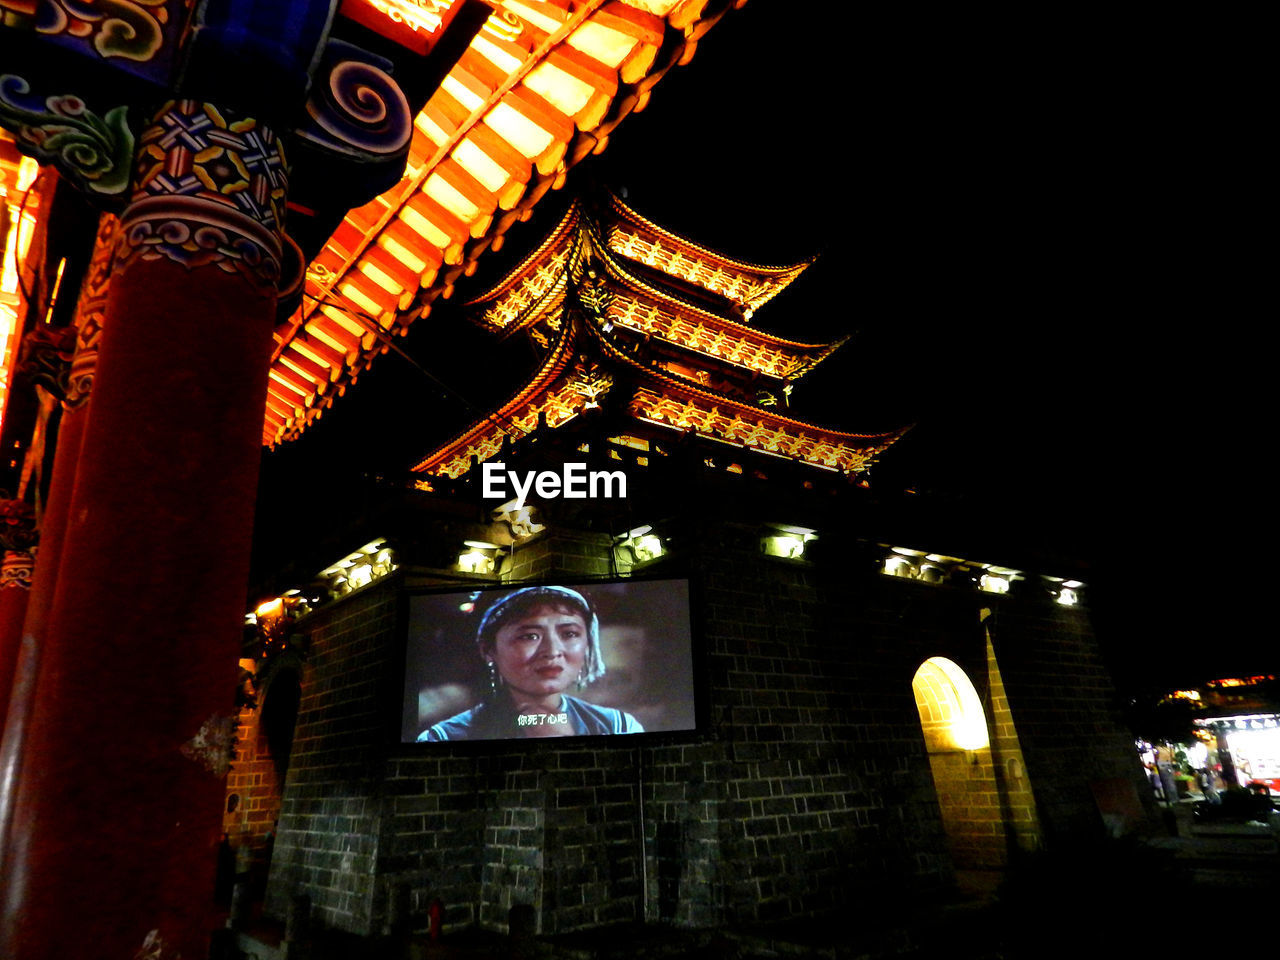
540	653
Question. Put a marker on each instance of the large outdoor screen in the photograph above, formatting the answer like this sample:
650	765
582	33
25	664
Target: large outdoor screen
554	660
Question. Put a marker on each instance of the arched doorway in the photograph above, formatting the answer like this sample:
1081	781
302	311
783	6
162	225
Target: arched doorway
959	746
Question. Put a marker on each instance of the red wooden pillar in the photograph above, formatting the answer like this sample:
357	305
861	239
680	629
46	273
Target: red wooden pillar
20	647
15	589
88	323
116	808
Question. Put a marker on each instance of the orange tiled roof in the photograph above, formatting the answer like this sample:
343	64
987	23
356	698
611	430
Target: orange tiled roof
749	285
540	87
532	293
561	390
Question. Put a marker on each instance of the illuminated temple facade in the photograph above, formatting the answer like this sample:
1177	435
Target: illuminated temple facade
876	716
649	331
877	708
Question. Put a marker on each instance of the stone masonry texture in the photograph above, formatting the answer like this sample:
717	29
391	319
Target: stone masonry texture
809	790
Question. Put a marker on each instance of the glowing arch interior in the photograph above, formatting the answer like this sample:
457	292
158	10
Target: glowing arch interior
950	710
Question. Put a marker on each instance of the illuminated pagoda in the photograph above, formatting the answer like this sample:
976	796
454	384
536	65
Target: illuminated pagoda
873	714
842	674
646	338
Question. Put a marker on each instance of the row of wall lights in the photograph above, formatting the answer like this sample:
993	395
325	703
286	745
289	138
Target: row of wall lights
936	568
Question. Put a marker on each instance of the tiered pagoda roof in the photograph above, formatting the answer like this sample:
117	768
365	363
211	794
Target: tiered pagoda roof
532	294
675	366
540	87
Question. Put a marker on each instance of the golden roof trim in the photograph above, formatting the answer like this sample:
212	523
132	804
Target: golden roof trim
508	150
764	270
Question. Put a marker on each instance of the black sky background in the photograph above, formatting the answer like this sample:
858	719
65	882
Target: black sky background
1001	212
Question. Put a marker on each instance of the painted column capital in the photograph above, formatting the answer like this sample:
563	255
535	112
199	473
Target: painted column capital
17	568
209	189
18	536
90	309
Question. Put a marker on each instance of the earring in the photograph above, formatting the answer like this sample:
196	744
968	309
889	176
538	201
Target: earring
493	678
581	682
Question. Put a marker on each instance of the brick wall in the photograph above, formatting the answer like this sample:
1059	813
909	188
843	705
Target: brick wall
254	779
988	808
581	554
811	790
252	782
436	815
970	807
1065	707
819	771
331	819
1009	765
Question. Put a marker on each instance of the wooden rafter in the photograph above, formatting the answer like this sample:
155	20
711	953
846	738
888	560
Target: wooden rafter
540	87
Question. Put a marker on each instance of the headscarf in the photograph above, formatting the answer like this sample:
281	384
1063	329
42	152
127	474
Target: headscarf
530	598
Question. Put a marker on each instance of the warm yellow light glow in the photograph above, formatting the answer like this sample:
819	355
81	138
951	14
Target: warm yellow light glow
270	608
601	43
648	547
896	566
430	129
993	584
460	92
28	170
1068	597
371	562
379	277
359	575
474	561
932	573
950	710
353	293
443	193
626	440
537	14
478	163
518	130
403	254
424	228
567	93
343	319
494	53
787	545
1240	681
16	244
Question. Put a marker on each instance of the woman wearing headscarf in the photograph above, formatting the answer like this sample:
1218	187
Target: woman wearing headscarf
537	643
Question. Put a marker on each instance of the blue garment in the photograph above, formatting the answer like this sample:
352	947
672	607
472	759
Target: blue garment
482	722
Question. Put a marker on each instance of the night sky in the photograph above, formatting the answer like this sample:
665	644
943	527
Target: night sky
1000	226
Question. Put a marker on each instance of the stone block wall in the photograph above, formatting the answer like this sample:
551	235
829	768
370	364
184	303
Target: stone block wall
972	814
330	823
510	855
809	790
1066	711
252	780
1009	764
582	554
824	787
435	813
254	788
